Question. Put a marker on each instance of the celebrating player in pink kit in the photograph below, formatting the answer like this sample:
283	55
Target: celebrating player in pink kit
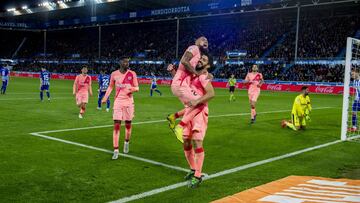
255	79
81	89
180	85
195	130
125	82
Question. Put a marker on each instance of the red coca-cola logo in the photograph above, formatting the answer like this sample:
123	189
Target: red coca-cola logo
144	81
320	89
166	82
274	87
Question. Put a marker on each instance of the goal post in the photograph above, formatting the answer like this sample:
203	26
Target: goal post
349	126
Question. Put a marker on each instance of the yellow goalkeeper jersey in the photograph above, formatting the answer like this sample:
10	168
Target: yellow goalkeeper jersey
301	106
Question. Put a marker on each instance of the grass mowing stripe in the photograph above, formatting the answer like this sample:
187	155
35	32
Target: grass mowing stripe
159	121
222	173
110	152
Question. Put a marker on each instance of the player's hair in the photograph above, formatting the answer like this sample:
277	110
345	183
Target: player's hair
304	88
84	66
210	58
124	58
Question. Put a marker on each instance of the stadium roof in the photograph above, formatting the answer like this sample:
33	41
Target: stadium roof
89	7
34	11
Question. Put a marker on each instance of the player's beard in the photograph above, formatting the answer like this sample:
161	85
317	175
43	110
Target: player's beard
199	68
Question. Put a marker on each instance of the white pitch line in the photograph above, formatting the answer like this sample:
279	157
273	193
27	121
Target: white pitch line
160	121
110	152
222	173
94	127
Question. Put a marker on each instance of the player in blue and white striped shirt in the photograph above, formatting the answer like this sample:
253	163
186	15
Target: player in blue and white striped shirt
356	103
45	77
104	81
153	86
4	73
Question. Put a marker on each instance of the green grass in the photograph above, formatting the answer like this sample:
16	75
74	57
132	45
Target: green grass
33	169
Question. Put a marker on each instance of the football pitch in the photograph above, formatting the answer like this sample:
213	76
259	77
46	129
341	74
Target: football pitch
48	154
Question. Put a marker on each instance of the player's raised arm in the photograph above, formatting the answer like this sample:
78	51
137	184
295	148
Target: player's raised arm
75	85
109	89
185	60
171	69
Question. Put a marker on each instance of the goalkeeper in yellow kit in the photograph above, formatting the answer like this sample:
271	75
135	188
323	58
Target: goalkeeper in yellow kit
300	112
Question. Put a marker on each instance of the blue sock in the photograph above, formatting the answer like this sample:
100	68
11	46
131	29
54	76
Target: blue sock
99	102
151	92
41	95
48	94
108	104
4	90
354	120
158	91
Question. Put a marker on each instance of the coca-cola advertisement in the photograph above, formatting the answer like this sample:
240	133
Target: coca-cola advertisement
274	87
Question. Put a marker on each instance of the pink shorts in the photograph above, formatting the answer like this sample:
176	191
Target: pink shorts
184	93
82	98
196	129
123	113
253	96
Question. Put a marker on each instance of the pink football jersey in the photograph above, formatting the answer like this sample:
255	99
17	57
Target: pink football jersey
82	83
199	83
123	85
254	79
182	76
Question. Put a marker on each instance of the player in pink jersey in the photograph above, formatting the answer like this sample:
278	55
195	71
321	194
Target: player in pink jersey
195	130
125	83
255	80
180	85
81	89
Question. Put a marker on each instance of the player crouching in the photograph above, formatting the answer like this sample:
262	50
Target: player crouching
300	112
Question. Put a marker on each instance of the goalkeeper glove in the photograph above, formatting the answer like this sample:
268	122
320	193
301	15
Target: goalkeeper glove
307	117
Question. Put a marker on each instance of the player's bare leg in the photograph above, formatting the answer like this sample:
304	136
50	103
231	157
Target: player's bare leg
190	157
128	128
82	110
253	111
116	135
199	160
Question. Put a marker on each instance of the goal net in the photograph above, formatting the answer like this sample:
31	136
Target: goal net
350	128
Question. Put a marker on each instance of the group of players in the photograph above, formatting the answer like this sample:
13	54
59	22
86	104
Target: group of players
191	84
